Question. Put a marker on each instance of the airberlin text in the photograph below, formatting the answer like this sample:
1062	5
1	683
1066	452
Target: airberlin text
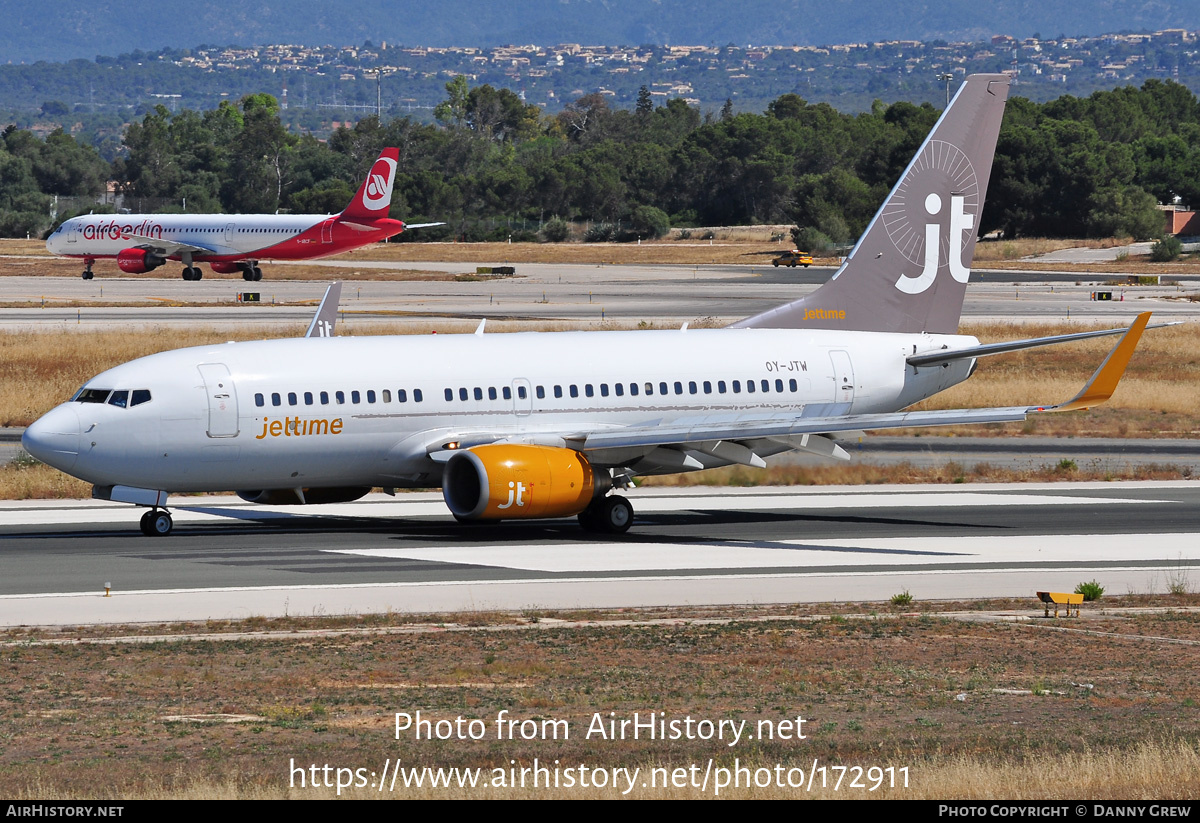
113	230
601	726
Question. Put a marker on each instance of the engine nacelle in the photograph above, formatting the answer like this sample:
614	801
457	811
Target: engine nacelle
138	261
221	267
516	481
304	497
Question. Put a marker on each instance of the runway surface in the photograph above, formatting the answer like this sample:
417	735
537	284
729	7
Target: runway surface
580	295
229	559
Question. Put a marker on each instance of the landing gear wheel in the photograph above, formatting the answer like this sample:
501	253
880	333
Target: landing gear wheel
87	274
156	523
257	274
610	515
615	514
248	275
192	273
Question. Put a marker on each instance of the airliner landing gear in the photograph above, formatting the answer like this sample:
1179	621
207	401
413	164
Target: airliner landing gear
157	523
192	273
252	274
87	268
608	515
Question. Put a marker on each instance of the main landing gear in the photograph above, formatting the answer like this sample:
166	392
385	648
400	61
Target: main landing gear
192	273
608	515
157	523
251	272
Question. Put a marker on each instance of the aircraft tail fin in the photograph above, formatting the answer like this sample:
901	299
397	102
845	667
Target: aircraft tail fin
374	196
326	316
909	270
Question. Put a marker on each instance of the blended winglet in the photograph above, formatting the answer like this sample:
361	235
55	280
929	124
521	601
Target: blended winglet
326	316
1104	382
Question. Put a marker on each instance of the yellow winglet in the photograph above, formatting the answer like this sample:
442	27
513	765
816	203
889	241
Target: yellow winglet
1104	382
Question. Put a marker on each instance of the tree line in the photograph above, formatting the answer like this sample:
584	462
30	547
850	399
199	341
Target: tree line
493	166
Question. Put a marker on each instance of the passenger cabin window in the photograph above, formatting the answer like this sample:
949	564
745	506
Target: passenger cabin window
355	397
401	396
507	392
340	397
417	398
387	395
541	392
477	392
276	400
292	398
492	393
308	398
371	396
259	400
324	398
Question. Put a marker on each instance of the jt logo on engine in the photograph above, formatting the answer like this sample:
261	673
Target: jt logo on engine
516	494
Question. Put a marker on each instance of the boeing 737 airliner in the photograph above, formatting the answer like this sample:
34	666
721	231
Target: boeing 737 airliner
542	425
233	242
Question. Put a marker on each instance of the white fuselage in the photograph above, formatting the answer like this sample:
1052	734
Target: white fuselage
321	412
106	235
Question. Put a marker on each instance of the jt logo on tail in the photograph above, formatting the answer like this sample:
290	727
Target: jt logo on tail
960	221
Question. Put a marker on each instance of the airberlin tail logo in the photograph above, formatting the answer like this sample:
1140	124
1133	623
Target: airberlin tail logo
377	194
915	215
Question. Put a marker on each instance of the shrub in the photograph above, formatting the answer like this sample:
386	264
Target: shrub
650	222
904	598
811	240
600	233
1090	591
555	231
1166	249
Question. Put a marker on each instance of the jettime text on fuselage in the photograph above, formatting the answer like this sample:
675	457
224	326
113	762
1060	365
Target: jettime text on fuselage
295	427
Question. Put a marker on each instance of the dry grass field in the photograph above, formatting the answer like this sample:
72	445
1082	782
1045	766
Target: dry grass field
1103	707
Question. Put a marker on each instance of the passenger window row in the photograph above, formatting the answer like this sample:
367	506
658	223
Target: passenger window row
648	388
340	398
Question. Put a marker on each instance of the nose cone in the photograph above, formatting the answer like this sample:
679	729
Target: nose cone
54	438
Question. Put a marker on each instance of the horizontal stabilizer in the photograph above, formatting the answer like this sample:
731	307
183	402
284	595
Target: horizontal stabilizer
950	355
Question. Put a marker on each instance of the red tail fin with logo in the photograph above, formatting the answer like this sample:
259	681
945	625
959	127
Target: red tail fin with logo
374	196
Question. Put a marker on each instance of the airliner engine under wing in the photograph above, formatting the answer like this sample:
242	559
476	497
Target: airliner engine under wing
233	242
550	424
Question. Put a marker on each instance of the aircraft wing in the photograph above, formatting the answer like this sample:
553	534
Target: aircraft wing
165	249
683	431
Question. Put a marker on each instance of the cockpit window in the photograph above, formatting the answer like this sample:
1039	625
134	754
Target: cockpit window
119	398
92	395
140	396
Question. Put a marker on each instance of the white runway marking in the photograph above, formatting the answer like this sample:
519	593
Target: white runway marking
582	558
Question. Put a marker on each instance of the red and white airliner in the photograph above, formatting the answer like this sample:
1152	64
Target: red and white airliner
231	243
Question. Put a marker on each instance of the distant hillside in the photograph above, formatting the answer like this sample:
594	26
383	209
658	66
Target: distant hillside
75	29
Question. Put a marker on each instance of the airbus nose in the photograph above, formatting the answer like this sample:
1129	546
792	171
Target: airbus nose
54	438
